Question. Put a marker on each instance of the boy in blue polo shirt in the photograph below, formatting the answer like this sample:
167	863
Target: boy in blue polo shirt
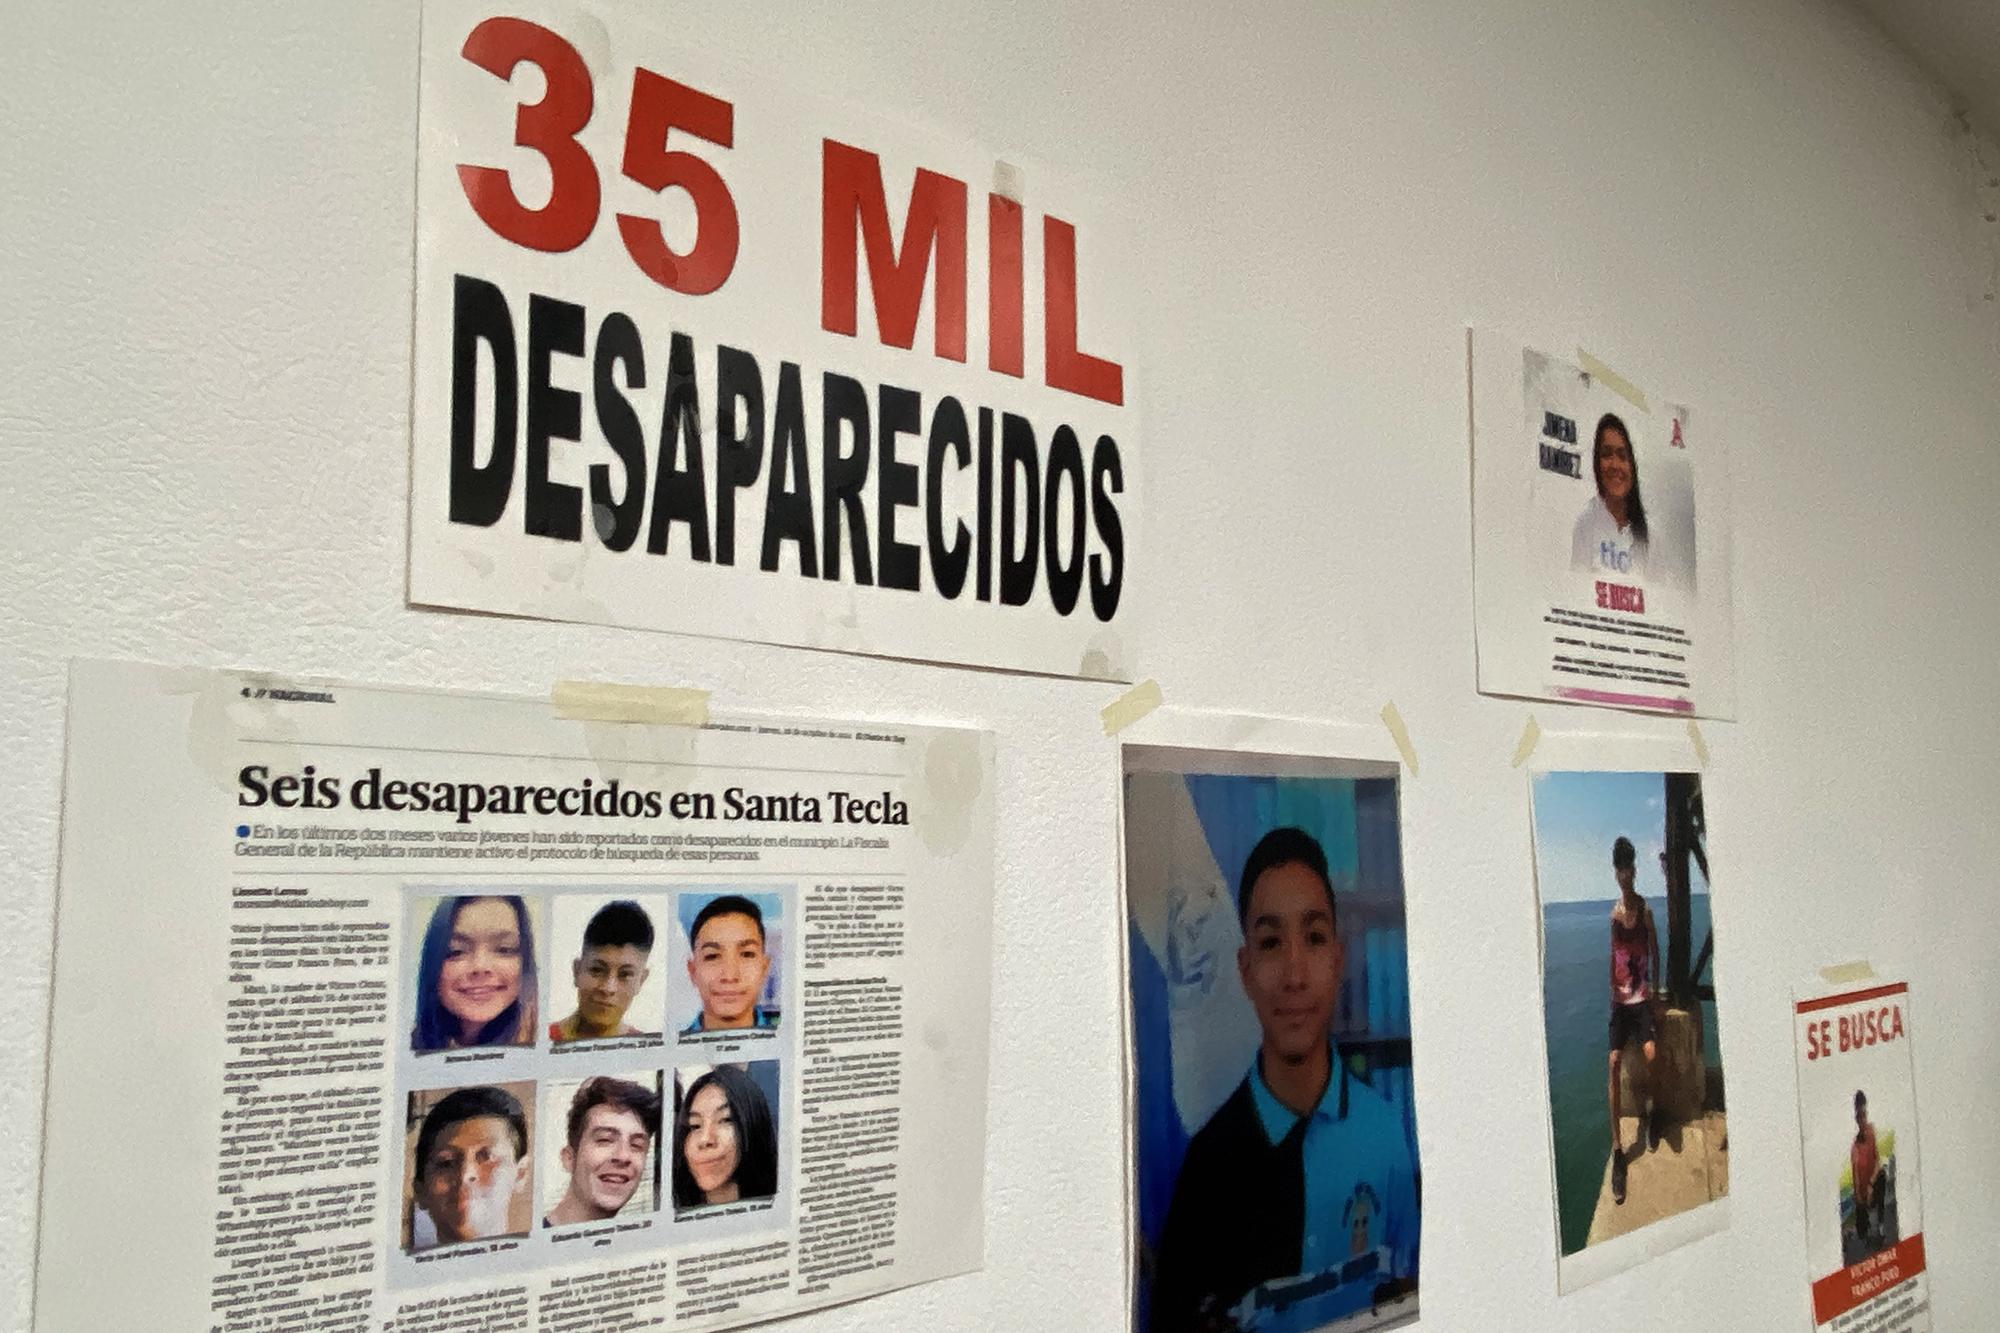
1296	1203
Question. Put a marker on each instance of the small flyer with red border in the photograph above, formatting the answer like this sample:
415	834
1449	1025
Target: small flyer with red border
1863	1182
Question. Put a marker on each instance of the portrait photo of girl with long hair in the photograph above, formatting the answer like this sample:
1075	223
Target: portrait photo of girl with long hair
725	1136
476	982
1611	536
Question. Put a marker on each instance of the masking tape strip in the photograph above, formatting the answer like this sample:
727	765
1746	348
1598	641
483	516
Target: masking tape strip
1531	736
1612	380
1009	181
1842	973
1130	706
1700	744
597	701
1400	734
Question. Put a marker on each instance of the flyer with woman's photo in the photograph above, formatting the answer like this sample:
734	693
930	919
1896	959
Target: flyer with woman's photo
1601	538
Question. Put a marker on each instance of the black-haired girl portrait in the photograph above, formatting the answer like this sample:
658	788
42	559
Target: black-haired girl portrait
1610	536
725	1141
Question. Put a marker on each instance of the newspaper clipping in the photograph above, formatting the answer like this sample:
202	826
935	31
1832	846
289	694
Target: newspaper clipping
382	1009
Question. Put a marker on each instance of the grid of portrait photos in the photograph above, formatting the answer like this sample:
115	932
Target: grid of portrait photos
588	1067
1637	1113
1275	1174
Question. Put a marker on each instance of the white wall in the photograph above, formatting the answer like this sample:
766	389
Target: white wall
1751	205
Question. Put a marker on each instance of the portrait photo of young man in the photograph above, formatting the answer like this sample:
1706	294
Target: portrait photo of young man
1872	1206
610	972
469	1169
1278	1179
610	1127
730	960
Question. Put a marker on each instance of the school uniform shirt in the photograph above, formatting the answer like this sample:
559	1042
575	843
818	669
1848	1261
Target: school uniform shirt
758	1019
1264	1194
1597	545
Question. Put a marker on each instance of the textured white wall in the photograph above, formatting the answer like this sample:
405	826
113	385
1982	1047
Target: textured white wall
1756	207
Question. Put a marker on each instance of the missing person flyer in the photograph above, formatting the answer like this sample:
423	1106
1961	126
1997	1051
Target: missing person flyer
697	349
1601	539
1863	1182
443	1010
1275	1178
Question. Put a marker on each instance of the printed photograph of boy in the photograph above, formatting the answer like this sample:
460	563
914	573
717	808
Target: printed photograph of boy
731	946
1868	1223
605	1164
1634	1061
1593	449
610	970
467	1169
1277	1178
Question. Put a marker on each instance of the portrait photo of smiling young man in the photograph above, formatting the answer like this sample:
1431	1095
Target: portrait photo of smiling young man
1277	1178
604	1131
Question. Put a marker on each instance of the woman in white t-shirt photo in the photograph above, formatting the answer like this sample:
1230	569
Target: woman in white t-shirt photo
1610	534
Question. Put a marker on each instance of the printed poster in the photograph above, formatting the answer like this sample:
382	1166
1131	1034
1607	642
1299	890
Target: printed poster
1276	1178
696	350
1863	1178
1638	1119
1601	538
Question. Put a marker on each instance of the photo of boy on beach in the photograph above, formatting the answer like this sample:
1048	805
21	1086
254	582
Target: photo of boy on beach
1635	1070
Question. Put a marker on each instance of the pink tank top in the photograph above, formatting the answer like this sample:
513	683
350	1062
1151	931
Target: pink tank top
1631	961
